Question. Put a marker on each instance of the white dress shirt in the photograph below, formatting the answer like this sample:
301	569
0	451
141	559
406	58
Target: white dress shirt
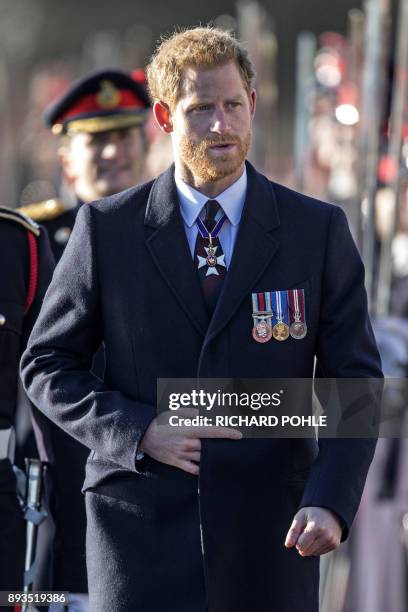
231	201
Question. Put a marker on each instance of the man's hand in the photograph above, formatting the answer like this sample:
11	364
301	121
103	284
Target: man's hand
314	531
180	446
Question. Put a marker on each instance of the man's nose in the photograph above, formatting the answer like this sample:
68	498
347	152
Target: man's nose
220	123
111	150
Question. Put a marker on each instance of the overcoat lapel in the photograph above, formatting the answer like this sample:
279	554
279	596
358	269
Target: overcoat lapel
253	250
169	248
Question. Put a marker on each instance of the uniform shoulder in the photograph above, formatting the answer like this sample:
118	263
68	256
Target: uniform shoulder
46	210
18	217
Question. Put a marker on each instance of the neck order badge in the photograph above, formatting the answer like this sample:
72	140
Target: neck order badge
212	261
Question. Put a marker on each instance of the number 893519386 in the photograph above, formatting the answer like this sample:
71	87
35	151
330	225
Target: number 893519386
45	597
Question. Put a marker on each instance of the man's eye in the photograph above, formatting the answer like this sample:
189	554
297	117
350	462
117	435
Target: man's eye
201	108
234	104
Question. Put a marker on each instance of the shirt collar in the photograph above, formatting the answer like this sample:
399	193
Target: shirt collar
231	200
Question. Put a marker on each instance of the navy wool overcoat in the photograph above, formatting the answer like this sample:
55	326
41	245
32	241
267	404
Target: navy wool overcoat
159	538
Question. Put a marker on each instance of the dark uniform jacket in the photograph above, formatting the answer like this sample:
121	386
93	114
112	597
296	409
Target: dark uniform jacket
153	542
16	322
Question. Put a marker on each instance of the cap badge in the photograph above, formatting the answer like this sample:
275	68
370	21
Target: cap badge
108	96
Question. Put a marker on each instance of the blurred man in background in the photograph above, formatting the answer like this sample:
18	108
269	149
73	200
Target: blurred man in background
100	121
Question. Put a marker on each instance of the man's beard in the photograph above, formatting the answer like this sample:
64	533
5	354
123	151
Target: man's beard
209	169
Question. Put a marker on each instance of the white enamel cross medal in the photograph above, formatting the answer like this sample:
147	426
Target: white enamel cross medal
211	261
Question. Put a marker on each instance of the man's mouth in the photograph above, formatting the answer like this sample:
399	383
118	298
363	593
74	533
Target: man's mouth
224	146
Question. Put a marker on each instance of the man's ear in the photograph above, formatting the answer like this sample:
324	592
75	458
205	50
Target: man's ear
65	157
252	102
162	115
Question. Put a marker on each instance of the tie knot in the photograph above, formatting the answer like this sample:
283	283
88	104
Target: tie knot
211	209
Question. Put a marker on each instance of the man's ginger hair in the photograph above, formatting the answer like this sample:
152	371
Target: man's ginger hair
201	47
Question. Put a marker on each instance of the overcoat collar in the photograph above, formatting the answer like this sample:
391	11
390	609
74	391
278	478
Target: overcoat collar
253	250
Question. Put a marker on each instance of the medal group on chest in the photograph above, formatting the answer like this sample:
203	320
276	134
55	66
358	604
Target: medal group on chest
279	315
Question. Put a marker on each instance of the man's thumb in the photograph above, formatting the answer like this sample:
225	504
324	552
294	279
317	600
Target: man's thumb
296	529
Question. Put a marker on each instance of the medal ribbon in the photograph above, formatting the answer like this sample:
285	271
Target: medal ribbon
297	312
280	306
261	306
217	228
302	306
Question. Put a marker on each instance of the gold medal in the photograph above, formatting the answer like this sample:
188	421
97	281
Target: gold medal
298	330
280	331
262	331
